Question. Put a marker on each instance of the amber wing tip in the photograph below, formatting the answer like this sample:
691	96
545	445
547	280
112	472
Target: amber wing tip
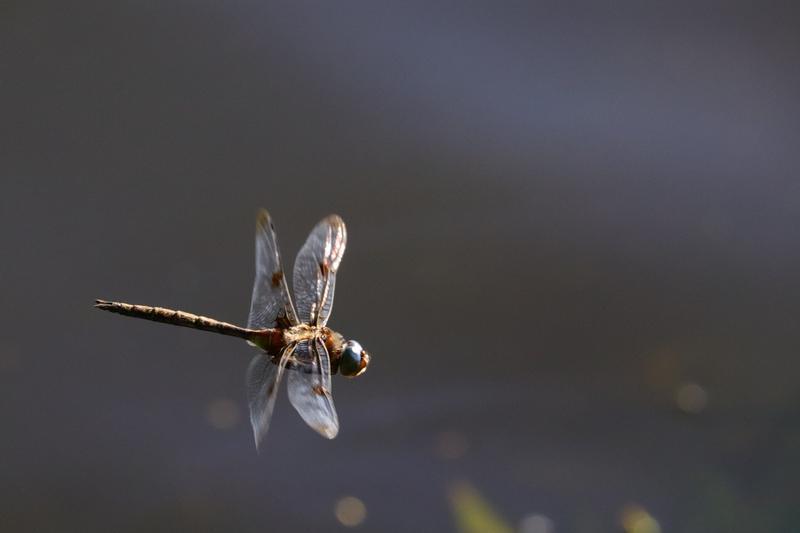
262	218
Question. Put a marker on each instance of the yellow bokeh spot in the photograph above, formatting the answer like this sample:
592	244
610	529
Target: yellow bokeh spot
474	514
350	511
636	519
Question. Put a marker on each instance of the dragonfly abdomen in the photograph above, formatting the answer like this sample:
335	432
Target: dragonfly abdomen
174	317
271	340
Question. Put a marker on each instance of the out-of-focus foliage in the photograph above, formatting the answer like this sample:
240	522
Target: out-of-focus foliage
473	513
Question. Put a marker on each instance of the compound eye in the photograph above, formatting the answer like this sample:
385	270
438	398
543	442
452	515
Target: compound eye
351	363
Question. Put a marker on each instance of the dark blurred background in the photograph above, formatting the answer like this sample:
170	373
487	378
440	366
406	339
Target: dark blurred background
573	255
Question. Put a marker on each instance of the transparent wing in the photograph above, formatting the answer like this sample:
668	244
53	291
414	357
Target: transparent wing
310	388
271	304
315	270
263	381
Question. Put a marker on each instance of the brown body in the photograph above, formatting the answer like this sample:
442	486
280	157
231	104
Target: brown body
272	341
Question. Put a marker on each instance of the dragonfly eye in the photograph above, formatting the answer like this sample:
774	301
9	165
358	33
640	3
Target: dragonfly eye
354	360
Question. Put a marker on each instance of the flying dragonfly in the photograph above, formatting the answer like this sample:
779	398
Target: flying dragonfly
293	340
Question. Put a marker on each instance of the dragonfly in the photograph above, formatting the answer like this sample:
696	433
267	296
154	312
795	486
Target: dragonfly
293	339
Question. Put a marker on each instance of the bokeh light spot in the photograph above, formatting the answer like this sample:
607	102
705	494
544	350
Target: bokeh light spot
350	511
662	368
636	519
536	523
451	445
223	413
473	513
691	398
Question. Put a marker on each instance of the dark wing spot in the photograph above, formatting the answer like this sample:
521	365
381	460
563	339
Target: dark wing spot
324	267
318	390
282	321
277	277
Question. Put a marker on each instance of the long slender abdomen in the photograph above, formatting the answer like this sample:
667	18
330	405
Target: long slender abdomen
177	318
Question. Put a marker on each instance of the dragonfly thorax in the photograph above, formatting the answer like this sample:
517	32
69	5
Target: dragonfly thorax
274	341
302	332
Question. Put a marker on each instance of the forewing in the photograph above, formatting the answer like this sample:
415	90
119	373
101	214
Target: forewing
271	305
314	276
263	381
310	388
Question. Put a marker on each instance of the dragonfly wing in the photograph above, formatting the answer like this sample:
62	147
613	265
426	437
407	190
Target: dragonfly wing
263	381
315	270
310	388
271	304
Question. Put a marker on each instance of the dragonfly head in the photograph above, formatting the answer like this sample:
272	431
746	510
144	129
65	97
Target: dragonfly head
354	359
